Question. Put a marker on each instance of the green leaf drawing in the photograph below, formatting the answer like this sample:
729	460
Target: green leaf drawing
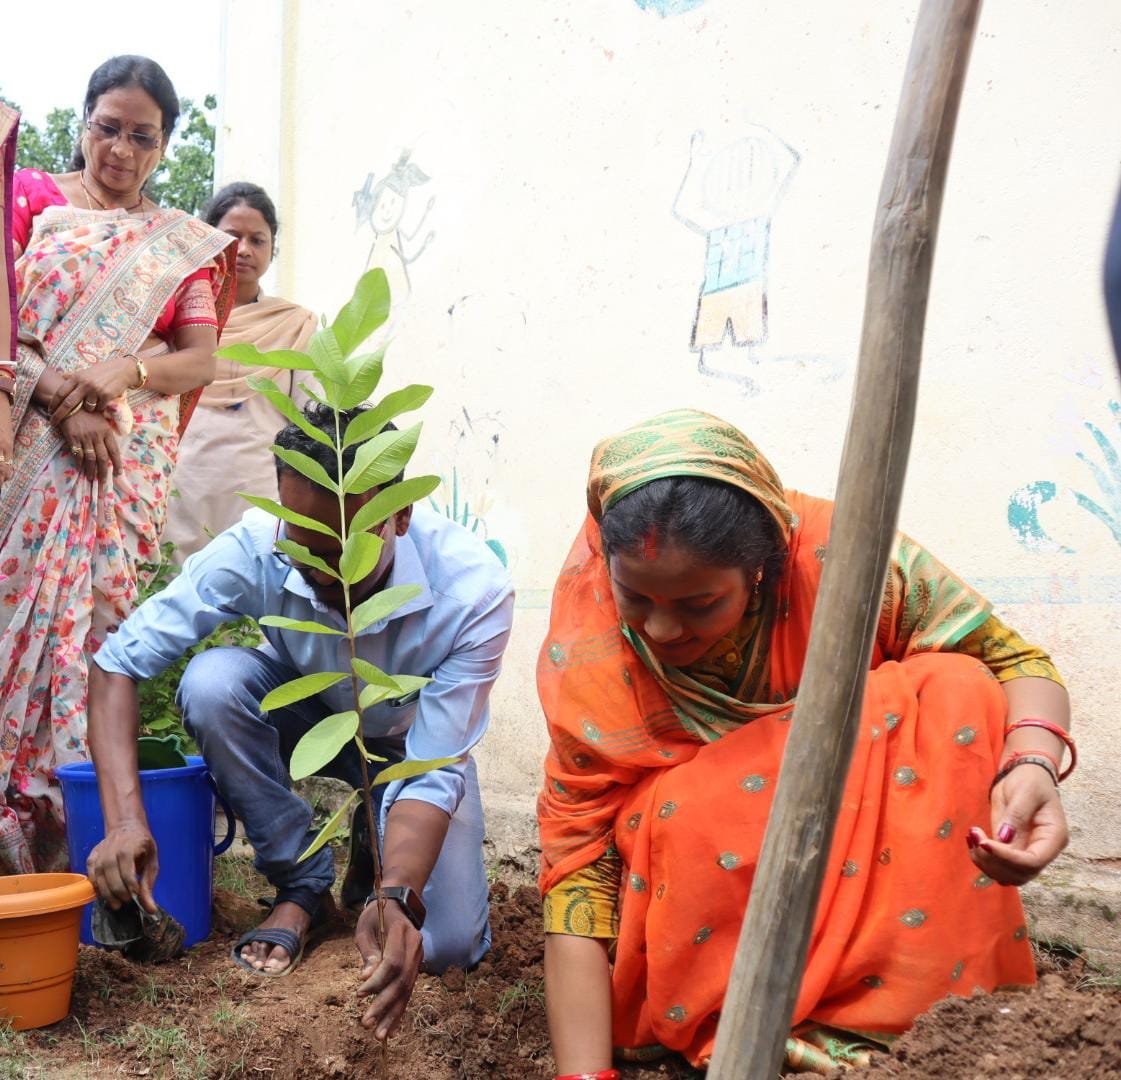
305	627
253	357
360	556
404	769
298	689
364	312
322	743
391	500
333	827
381	604
380	460
306	466
280	511
370	422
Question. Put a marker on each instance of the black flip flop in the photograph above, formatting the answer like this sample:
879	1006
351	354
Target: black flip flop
287	939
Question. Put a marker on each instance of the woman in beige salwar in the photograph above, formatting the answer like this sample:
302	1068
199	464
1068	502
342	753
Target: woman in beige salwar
227	447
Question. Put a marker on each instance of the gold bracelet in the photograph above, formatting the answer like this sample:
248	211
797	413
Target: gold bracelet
73	410
141	372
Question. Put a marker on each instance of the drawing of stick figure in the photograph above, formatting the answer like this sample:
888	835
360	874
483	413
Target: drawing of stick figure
729	195
382	206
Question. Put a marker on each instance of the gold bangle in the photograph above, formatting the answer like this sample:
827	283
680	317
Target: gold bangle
73	411
141	372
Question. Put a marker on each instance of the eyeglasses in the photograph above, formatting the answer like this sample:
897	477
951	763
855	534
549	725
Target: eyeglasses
140	140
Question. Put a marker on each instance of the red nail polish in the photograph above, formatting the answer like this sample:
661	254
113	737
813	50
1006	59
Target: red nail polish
1007	834
970	840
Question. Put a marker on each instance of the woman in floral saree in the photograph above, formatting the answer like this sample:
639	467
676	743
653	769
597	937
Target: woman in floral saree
677	638
118	308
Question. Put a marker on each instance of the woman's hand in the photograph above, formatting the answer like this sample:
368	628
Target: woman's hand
1028	823
90	438
92	388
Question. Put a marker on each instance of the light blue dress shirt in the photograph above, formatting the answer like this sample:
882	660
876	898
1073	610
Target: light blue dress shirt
454	632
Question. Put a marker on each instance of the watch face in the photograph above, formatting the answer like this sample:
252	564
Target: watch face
410	902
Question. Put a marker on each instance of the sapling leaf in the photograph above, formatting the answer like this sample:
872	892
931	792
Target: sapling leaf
284	404
363	375
304	626
364	312
380	460
369	422
372	674
360	556
381	604
408	684
404	769
304	687
306	466
373	694
334	826
312	392
366	753
271	506
302	555
253	357
392	500
322	743
328	357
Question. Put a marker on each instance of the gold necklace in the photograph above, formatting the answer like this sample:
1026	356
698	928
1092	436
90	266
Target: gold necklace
89	205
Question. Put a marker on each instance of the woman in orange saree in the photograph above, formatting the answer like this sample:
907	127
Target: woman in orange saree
119	306
677	639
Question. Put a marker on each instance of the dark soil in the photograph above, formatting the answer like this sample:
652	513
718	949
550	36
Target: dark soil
202	1017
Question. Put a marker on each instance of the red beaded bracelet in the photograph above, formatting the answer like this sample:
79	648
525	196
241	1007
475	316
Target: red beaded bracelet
1054	729
603	1074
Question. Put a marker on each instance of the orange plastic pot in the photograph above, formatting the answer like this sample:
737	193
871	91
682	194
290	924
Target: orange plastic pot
39	917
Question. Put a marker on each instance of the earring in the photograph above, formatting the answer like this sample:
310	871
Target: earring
758	580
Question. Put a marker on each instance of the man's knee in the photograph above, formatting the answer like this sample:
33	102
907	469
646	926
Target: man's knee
459	945
215	681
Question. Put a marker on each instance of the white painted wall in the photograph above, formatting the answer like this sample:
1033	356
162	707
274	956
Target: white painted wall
555	300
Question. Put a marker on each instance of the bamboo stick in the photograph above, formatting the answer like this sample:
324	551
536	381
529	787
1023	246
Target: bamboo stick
772	947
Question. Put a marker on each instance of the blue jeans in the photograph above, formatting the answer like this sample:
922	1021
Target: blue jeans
248	752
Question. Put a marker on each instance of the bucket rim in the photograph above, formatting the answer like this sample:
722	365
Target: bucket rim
81	770
23	895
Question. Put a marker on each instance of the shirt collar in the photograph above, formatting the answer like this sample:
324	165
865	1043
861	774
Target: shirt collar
407	569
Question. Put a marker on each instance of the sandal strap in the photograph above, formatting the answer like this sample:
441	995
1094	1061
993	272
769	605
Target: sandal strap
287	939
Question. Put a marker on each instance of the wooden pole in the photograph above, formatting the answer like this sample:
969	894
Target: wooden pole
771	953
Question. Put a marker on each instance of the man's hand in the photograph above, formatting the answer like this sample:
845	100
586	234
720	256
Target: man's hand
387	979
124	865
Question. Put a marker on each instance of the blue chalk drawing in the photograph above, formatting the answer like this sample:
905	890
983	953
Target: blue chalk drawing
665	8
463	514
1026	501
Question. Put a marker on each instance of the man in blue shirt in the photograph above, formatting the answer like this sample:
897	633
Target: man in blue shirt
431	826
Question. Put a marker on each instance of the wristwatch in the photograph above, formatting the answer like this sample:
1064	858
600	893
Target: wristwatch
409	902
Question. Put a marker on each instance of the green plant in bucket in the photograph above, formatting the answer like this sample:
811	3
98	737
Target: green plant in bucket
346	381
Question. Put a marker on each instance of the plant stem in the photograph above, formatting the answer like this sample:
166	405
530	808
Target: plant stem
367	797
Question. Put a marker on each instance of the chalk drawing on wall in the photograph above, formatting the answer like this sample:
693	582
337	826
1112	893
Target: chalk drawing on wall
669	7
729	195
1103	464
465	494
384	205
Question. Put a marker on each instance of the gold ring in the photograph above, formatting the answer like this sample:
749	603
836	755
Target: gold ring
91	404
76	450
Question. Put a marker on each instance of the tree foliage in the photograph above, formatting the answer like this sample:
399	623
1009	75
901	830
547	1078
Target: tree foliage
185	177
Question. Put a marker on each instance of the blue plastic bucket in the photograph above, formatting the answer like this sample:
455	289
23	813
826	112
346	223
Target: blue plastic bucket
180	808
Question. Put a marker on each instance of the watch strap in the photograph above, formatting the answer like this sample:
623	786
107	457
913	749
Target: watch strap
407	899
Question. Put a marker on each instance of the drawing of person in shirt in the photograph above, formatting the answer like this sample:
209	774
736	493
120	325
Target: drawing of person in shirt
728	195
